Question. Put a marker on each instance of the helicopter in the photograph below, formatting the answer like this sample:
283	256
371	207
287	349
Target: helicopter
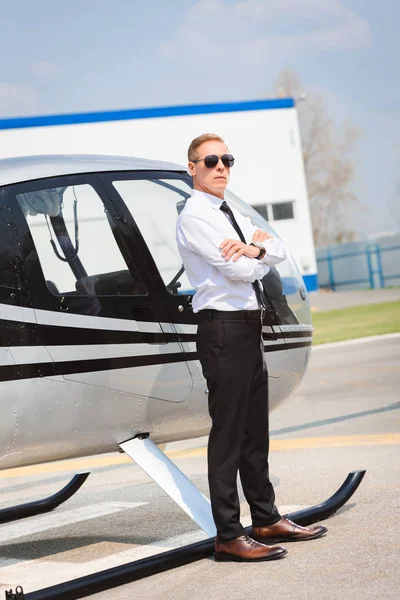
98	336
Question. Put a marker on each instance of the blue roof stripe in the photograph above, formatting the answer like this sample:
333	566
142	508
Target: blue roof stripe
144	113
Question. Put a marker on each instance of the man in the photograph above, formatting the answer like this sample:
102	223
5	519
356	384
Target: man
224	269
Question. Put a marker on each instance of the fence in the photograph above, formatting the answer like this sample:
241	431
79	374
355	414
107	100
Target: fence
359	265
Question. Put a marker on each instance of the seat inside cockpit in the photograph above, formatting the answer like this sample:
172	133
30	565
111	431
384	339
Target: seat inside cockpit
77	243
110	284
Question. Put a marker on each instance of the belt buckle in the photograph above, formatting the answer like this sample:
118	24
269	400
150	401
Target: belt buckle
262	314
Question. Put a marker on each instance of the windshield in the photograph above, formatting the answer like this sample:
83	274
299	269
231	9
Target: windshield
155	204
284	283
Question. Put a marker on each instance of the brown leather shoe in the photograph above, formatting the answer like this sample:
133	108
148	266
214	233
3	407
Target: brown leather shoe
287	531
245	549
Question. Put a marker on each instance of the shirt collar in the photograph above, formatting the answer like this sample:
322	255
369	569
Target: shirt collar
209	199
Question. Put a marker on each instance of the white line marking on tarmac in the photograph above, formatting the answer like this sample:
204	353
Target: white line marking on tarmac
371	338
38	574
42	523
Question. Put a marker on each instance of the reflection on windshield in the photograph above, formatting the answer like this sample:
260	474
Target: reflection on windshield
284	283
273	286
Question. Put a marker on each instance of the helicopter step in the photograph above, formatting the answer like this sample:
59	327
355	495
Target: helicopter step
166	474
38	507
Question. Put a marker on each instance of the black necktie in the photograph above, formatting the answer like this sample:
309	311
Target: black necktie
226	209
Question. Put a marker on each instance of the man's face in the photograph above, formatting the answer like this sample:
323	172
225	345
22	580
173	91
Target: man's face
214	180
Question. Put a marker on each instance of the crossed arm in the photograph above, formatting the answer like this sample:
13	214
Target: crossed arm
235	249
202	238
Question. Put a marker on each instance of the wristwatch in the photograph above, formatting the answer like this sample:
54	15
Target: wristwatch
261	248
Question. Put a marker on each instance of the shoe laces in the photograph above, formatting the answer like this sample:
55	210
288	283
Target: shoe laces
252	542
294	525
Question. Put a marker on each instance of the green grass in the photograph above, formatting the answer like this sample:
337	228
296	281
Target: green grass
356	322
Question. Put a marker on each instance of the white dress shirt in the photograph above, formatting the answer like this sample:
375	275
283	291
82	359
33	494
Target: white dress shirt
220	284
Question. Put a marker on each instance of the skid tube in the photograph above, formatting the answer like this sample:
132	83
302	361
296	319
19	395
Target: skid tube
138	569
39	507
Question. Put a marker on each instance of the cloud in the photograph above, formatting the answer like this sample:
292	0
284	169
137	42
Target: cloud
43	68
17	99
257	31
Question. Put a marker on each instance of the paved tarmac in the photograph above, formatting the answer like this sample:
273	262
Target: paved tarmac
324	300
344	416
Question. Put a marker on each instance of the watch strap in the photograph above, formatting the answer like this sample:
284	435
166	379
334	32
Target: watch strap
261	248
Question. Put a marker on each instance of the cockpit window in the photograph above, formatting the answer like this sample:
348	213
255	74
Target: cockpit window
74	238
284	283
155	205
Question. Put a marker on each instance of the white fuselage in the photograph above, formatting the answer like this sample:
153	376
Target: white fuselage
99	345
71	415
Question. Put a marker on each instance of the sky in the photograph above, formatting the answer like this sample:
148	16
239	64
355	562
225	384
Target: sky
88	55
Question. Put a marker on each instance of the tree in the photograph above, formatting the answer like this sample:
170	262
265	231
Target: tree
328	165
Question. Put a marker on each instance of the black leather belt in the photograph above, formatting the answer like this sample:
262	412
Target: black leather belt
245	315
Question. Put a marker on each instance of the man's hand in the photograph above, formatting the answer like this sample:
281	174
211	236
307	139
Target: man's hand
260	236
237	249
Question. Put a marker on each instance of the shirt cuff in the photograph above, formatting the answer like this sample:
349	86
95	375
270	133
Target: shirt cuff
275	251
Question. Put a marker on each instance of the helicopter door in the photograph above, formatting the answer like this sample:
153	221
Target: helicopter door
155	200
12	330
94	297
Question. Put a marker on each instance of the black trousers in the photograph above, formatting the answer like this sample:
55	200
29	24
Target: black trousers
232	359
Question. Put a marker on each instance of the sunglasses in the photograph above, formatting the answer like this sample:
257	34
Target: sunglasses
211	160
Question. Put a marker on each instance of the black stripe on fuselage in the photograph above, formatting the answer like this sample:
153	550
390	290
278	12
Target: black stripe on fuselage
17	333
37	334
291	334
52	369
287	346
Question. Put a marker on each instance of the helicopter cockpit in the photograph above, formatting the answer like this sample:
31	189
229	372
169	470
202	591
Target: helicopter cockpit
83	245
72	241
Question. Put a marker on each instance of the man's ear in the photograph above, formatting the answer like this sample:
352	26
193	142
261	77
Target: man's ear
192	169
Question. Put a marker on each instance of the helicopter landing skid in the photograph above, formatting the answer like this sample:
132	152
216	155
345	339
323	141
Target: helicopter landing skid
138	569
46	505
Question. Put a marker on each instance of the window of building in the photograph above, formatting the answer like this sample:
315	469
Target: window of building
283	210
262	210
74	241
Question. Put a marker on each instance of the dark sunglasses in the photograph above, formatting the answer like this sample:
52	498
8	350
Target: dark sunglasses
211	160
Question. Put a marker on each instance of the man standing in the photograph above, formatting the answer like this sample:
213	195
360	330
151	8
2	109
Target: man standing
224	269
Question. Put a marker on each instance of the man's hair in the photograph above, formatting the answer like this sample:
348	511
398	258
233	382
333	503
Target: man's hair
205	137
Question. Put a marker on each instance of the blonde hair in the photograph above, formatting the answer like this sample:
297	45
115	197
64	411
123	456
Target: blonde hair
204	137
